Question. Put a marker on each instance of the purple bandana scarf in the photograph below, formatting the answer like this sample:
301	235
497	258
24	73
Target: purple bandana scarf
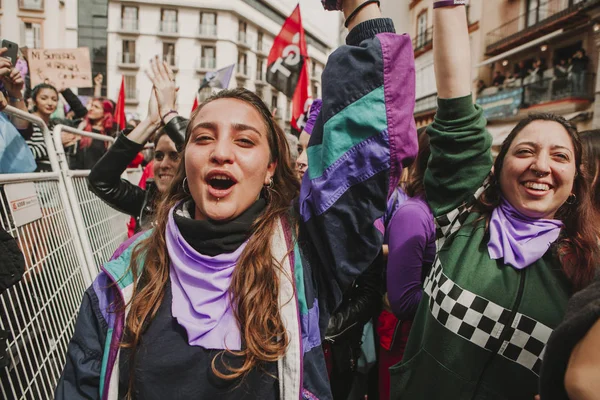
200	287
519	239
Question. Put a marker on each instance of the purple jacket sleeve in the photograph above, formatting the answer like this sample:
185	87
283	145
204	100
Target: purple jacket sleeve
411	244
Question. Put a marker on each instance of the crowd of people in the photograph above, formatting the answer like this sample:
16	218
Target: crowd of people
566	76
366	259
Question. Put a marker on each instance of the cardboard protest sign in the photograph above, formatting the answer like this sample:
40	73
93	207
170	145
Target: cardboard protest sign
62	68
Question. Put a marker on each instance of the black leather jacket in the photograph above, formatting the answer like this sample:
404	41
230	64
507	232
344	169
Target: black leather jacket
360	303
105	177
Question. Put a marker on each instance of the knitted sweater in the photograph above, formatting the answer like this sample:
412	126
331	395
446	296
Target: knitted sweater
482	326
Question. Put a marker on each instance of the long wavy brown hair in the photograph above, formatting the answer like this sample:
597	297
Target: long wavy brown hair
414	185
577	246
591	151
254	286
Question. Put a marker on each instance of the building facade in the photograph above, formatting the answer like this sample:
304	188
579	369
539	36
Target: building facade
48	24
528	56
546	51
199	36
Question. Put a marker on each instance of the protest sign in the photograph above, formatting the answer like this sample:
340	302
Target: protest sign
62	68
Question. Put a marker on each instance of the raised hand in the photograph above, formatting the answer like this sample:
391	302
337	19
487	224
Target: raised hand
98	79
5	65
162	78
13	82
153	113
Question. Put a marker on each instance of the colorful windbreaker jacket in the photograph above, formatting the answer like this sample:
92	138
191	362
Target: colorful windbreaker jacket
363	136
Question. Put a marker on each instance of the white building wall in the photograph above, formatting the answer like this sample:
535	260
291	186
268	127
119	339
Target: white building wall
57	18
323	25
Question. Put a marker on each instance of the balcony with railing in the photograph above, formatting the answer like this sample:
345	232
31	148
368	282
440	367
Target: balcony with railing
579	86
206	64
128	60
548	17
207	31
35	5
423	42
168	28
130	25
244	40
507	101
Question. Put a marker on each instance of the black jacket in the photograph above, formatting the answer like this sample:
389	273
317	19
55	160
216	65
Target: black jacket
582	313
361	302
12	268
105	177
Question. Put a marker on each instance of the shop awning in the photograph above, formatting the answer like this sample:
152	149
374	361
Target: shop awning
518	49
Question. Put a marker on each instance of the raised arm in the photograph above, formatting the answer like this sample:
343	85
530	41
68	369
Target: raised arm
105	177
76	105
460	145
362	137
451	52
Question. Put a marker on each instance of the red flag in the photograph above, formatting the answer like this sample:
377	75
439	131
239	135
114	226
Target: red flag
195	105
120	111
287	65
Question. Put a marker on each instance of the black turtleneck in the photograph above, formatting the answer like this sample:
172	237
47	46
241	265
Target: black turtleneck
212	238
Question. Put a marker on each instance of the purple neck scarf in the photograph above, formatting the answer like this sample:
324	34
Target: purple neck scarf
200	287
520	240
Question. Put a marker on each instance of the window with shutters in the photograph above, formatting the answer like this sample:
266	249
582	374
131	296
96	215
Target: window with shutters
422	29
31	34
208	23
128	55
208	57
129	18
131	92
169	54
168	21
242	64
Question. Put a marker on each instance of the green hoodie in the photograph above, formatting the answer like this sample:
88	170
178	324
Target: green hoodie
482	326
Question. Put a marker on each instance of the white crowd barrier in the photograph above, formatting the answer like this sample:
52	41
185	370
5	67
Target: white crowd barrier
63	251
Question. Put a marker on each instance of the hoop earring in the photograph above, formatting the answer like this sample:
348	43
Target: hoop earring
572	199
268	189
185	187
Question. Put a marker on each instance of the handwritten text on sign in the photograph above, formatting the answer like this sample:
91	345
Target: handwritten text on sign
62	68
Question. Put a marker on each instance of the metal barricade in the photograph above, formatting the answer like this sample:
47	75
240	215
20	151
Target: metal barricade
40	311
102	229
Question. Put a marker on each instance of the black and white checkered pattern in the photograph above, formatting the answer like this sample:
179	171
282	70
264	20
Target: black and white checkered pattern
482	322
527	342
451	222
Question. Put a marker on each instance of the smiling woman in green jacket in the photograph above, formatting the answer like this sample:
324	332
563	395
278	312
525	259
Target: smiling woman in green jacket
512	246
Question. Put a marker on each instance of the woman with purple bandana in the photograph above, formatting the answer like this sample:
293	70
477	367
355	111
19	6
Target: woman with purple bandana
512	246
229	296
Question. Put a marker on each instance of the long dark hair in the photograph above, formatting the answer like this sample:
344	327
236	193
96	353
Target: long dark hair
577	247
591	162
254	286
36	91
416	172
